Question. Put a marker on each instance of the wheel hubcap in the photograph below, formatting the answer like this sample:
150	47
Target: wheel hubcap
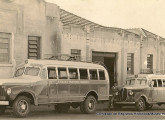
22	107
91	104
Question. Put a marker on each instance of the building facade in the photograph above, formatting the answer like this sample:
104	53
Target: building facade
35	29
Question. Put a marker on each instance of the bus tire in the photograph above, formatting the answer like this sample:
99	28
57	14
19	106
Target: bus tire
90	104
21	107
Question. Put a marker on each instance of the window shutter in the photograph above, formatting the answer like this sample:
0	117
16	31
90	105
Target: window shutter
33	47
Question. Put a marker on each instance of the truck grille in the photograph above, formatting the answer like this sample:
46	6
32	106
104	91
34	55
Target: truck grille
1	91
123	94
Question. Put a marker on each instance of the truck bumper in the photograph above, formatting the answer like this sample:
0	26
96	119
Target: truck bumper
4	102
125	103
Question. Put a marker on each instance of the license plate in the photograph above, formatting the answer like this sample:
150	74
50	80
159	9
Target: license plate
4	102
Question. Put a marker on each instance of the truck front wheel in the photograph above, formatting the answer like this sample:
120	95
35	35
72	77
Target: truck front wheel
21	106
140	104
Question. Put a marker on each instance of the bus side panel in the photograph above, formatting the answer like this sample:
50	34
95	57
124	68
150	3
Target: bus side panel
84	88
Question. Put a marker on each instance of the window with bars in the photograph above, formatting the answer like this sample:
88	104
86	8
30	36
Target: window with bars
33	47
150	61
5	47
130	63
76	53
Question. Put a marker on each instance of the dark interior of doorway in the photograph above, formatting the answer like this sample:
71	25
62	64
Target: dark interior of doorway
110	63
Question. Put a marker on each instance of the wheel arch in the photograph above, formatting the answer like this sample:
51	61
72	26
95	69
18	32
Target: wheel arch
93	93
29	95
144	97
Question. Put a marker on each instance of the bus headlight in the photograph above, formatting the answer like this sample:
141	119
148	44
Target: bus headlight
130	92
8	91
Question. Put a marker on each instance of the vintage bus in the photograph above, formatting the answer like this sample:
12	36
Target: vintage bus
53	82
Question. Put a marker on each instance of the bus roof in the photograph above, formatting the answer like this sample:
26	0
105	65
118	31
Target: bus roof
67	63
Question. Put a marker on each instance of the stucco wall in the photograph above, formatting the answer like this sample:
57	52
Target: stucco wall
23	18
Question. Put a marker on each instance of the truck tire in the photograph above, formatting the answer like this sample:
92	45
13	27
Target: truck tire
140	104
62	107
2	109
89	105
21	107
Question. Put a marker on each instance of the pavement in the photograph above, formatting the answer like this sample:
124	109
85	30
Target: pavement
102	112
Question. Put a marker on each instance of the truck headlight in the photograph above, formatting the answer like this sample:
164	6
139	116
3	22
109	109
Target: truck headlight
116	93
130	92
8	91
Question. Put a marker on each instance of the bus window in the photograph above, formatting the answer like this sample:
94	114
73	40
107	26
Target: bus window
101	75
62	73
73	73
93	74
83	73
52	73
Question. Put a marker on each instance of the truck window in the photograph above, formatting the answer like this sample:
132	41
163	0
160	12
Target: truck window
101	75
159	83
73	74
93	74
52	73
163	83
83	73
62	73
154	83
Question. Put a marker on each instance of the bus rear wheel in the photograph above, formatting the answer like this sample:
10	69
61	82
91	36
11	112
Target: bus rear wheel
89	105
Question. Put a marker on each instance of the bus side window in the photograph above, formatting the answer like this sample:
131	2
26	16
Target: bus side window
73	74
101	75
52	73
93	74
154	83
62	73
83	73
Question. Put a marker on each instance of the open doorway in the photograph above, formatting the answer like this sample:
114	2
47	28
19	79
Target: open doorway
109	59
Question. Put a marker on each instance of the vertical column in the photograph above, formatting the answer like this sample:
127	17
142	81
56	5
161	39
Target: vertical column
157	54
122	57
141	53
87	30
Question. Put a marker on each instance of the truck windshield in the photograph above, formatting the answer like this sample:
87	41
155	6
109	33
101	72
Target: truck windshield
33	71
141	82
130	82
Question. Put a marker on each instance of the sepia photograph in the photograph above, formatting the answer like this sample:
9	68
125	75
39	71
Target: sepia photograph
82	59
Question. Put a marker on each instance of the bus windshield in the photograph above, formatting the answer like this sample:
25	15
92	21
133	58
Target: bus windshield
19	72
33	71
